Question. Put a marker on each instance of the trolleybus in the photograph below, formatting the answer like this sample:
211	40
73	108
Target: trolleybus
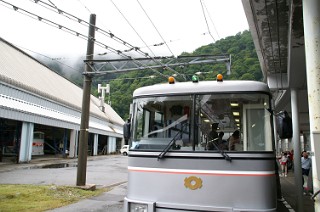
177	164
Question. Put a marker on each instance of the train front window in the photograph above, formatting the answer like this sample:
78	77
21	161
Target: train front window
161	119
210	122
235	122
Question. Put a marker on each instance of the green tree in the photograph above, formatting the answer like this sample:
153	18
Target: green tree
247	76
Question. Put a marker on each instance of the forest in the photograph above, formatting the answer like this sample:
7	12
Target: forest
244	66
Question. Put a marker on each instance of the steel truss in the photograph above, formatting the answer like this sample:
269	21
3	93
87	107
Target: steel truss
133	64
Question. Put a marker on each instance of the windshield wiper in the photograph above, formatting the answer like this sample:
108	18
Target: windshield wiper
172	142
169	145
223	153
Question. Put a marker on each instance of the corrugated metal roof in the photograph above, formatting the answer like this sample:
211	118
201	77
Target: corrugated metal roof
27	107
22	71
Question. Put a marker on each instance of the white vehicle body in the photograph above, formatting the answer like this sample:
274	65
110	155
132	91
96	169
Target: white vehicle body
124	149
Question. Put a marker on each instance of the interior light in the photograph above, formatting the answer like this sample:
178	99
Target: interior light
238	125
234	104
219	77
171	80
236	113
237	120
206	120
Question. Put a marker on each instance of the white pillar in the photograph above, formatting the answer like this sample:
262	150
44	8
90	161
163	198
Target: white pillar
73	143
111	144
311	22
95	144
26	142
296	147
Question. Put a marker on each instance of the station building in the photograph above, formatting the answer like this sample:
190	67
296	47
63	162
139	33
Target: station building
40	112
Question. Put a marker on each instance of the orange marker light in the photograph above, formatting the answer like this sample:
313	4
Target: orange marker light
219	77
171	80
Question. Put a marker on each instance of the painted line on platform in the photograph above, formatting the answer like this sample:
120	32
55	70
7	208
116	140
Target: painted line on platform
288	206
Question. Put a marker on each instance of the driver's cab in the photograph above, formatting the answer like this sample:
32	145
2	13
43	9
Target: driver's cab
158	122
243	119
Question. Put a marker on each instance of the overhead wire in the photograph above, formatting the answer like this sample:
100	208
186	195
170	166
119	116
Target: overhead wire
170	41
74	18
44	20
85	6
89	11
109	34
81	21
128	22
120	79
52	4
137	48
203	6
54	8
214	26
205	18
145	12
73	32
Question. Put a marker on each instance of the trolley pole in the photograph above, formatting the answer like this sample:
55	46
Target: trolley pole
84	125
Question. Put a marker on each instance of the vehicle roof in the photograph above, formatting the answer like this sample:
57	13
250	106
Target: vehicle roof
226	86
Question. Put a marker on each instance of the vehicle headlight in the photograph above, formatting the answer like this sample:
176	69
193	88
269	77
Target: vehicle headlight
138	207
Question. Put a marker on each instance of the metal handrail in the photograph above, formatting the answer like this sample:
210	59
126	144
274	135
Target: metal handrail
314	195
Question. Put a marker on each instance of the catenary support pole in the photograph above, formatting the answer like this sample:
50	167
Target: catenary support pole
84	125
296	148
311	22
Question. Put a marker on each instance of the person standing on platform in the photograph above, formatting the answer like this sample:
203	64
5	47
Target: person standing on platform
306	166
283	163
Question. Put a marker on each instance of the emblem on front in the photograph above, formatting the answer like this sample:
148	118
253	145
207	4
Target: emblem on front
193	182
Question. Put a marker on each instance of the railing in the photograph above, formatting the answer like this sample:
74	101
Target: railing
314	195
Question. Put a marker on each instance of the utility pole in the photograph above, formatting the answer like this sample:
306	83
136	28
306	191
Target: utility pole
84	125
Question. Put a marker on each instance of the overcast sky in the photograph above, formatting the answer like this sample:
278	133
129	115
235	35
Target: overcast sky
180	23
